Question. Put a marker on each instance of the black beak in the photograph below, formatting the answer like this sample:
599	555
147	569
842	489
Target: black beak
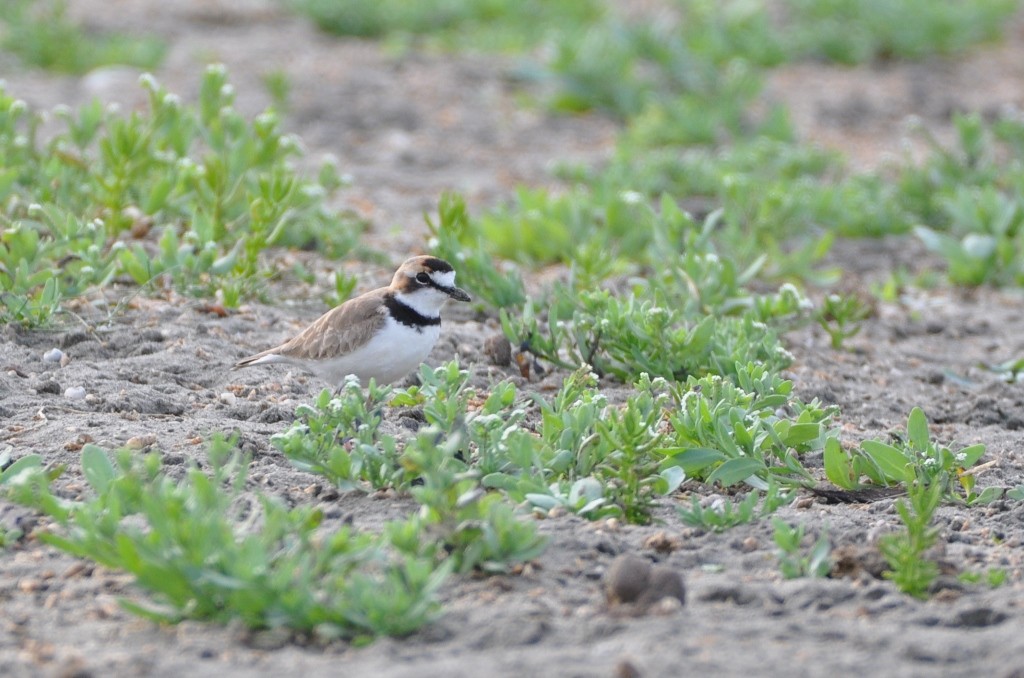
456	293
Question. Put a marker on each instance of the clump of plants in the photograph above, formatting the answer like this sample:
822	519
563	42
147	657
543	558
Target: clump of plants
182	195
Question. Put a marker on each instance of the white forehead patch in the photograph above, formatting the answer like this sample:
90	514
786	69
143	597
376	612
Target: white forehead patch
446	279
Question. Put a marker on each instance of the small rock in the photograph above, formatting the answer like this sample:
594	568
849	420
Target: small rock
141	442
627	579
632	579
715	502
54	355
663	543
48	387
269	639
75	393
665	583
498	350
29	585
626	669
665	607
803	502
850	560
78	443
227	398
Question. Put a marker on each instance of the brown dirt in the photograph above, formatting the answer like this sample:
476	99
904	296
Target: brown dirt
407	128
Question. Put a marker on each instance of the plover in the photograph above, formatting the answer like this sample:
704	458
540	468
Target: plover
384	334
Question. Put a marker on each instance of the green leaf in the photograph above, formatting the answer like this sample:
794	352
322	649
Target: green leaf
670	480
160	616
737	470
989	495
838	468
29	461
799	434
972	454
97	468
500	481
543	501
891	461
917	429
694	460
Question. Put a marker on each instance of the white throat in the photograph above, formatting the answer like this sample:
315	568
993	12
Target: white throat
426	301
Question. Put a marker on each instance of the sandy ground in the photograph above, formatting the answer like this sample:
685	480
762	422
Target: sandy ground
407	128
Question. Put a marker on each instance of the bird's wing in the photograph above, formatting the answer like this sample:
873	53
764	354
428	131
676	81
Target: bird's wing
341	330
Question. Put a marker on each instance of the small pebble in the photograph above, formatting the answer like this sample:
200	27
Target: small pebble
663	543
498	350
228	398
626	669
54	355
75	393
632	579
141	442
627	578
30	585
665	583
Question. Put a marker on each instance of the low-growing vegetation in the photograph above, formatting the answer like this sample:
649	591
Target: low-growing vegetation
689	308
182	196
41	34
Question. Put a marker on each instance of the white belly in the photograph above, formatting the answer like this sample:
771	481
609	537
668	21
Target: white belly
390	355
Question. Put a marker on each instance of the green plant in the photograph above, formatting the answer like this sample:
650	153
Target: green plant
913	458
626	66
723	514
584	455
854	31
841	317
206	551
1016	493
279	88
10	535
337	437
992	577
474	528
793	561
992	240
968	200
454	239
195	195
477	24
668	303
628	438
344	288
729	433
905	552
585	497
42	35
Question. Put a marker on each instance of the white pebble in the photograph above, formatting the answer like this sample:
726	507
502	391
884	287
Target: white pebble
74	393
54	355
227	398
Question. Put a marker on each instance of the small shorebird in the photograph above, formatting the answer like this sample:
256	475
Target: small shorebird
384	334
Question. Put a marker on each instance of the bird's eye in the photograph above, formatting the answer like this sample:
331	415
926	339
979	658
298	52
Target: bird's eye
422	278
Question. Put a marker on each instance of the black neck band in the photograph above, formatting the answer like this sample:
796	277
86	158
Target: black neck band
407	315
